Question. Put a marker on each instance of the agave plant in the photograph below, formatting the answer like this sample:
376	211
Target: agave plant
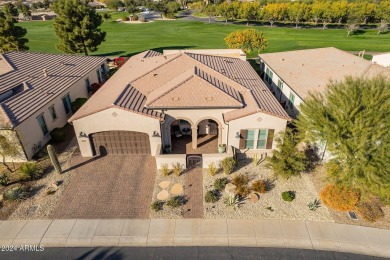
314	205
232	201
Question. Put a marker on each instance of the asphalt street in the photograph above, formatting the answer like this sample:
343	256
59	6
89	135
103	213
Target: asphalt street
186	253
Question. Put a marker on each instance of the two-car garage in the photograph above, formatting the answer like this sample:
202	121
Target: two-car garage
120	142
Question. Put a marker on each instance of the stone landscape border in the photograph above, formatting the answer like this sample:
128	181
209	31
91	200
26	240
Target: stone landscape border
197	232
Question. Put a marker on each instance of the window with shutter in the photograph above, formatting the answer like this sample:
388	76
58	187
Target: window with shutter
242	139
270	138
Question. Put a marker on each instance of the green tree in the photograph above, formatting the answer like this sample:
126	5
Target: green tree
210	10
287	161
383	12
296	12
25	11
353	117
274	12
316	11
248	11
114	4
10	10
11	35
339	11
77	27
9	147
247	40
225	10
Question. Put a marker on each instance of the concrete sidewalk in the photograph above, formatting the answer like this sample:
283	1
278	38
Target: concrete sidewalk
197	232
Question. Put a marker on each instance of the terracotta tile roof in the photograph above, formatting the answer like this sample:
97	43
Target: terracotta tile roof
311	70
242	72
151	53
185	80
132	99
30	89
196	92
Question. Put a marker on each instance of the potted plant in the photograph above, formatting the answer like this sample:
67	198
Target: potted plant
221	148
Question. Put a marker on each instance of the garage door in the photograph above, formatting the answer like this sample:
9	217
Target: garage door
120	142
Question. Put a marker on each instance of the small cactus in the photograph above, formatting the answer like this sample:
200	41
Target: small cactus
54	159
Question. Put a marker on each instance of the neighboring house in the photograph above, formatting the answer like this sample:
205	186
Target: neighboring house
182	103
36	91
381	59
292	75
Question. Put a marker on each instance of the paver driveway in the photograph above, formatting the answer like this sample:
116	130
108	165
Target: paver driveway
113	186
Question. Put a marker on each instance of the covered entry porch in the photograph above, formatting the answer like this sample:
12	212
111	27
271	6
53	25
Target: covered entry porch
185	137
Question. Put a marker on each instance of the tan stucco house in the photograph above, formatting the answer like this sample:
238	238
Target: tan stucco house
292	75
180	102
36	91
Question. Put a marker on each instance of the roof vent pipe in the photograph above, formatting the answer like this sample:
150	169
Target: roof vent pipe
45	73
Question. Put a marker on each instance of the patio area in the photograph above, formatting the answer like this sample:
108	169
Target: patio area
206	144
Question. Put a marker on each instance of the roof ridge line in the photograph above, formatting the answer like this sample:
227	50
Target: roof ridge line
231	88
209	55
168	90
159	66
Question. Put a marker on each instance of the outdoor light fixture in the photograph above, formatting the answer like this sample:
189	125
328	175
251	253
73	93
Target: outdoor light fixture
238	135
82	134
155	134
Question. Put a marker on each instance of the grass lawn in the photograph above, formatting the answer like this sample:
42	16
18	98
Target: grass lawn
127	39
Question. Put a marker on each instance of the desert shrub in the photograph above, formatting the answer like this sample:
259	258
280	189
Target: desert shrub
175	202
177	168
240	180
79	102
30	171
288	196
219	184
228	165
4	179
212	169
339	197
134	18
369	210
58	135
157	205
287	161
313	206
165	170
16	193
259	186
211	196
232	201
125	18
242	191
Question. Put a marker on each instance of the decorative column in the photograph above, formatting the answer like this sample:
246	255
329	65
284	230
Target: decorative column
219	134
194	137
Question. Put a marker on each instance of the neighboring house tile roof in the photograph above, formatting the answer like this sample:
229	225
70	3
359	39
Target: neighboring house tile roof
29	89
185	80
311	70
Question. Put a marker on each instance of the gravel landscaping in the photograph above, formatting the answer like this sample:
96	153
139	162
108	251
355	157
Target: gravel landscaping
167	212
305	192
41	205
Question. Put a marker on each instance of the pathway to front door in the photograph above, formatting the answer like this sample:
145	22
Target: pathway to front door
194	193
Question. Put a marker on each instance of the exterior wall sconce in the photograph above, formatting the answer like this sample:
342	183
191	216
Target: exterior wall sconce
238	135
82	134
155	134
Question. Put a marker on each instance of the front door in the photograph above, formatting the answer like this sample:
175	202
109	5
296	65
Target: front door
194	161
